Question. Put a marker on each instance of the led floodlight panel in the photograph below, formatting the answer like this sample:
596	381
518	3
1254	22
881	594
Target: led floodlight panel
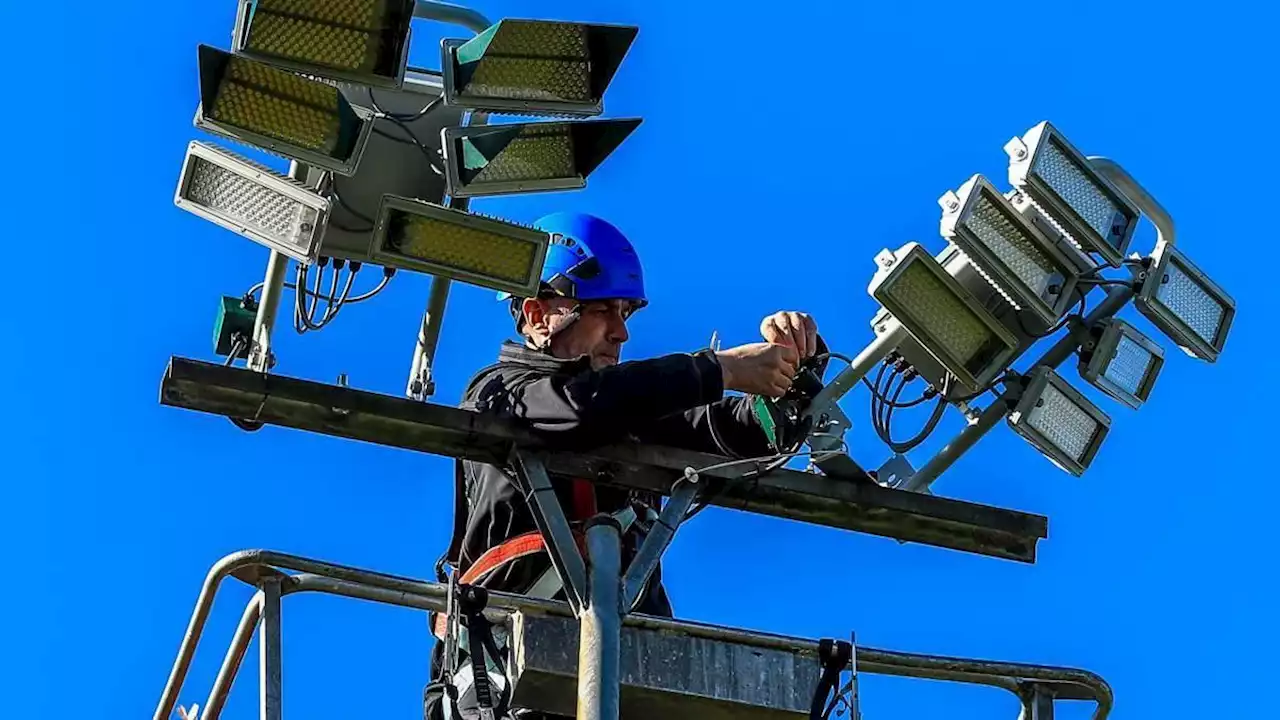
1123	363
1013	255
1059	421
280	111
365	42
415	235
252	200
1059	179
1185	304
528	157
943	317
535	67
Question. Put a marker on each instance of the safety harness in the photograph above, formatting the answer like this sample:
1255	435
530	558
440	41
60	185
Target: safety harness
549	584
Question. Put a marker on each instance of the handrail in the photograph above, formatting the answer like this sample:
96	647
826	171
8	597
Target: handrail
252	566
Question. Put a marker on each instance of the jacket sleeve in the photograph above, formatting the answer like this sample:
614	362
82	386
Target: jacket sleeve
728	427
601	406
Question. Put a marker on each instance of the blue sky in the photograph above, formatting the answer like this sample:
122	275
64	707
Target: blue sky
829	132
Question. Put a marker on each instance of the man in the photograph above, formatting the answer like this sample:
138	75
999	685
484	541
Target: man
567	381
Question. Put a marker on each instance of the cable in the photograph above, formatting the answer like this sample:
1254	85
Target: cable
1057	326
774	462
387	274
407	117
358	215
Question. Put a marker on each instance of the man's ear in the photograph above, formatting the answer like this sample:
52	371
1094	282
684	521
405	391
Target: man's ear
535	315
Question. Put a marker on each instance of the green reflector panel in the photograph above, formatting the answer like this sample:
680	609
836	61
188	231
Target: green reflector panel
529	61
535	153
530	157
278	105
460	247
353	36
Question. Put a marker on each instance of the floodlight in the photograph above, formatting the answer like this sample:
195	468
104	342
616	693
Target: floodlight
280	111
416	235
1013	255
365	42
942	316
1122	362
528	157
253	200
1059	179
1185	304
535	67
1059	421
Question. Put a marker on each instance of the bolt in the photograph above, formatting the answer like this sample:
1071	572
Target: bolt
953	204
1020	153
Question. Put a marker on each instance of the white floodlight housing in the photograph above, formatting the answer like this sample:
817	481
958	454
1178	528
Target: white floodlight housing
1060	179
1059	421
942	316
1185	304
535	67
528	157
1008	250
1122	362
253	200
483	251
364	42
280	111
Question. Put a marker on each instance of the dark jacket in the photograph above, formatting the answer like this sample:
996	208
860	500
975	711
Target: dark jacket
676	400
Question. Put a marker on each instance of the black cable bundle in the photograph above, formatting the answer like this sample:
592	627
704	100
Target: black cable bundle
885	399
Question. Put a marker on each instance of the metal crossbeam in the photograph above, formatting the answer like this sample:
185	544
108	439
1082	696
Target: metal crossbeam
437	429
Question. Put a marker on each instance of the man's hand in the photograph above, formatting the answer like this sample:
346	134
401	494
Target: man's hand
793	329
759	369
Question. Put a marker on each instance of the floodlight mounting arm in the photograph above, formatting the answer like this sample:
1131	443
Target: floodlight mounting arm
453	14
864	363
1117	297
1149	206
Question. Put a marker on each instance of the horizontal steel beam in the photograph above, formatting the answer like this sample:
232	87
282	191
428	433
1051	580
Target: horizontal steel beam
440	430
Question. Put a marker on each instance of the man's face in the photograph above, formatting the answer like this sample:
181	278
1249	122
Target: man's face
598	333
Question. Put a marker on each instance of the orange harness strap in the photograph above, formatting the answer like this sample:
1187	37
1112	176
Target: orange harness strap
520	546
530	543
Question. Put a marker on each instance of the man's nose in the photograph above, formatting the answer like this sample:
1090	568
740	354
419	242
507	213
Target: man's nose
618	330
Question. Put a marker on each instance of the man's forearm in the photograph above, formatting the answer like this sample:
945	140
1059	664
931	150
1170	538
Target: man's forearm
613	402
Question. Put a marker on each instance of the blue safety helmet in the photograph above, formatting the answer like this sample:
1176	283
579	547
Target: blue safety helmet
588	259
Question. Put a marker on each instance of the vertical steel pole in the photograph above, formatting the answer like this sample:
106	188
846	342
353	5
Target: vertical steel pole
600	632
269	305
269	650
421	381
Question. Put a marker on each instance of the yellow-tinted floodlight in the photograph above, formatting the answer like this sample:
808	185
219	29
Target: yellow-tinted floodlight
1005	247
365	42
1185	304
536	67
280	111
1122	362
942	316
252	200
415	235
1060	422
528	157
1060	180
